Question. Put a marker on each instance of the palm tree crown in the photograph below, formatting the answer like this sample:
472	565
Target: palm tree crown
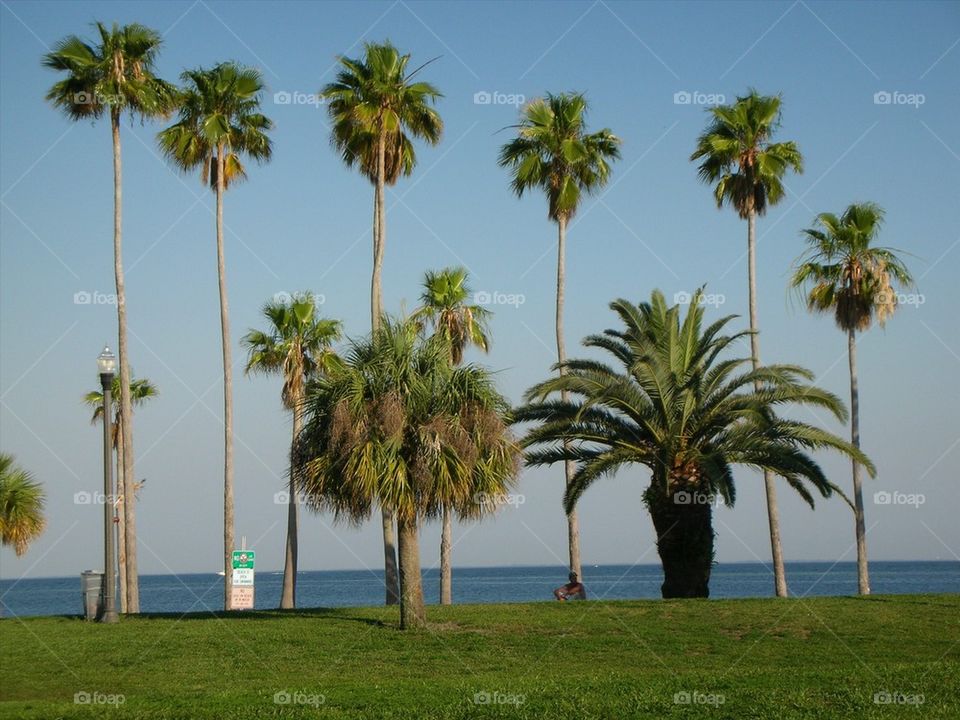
554	152
21	506
444	306
141	390
849	275
115	75
219	112
738	156
297	344
372	99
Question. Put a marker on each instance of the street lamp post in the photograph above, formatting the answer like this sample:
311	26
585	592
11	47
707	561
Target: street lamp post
107	365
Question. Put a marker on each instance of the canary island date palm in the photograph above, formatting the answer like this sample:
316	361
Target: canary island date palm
398	425
737	156
21	506
675	401
141	390
220	123
445	308
846	274
296	346
376	110
554	153
114	76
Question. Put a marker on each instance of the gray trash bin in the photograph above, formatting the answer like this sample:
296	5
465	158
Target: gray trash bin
91	585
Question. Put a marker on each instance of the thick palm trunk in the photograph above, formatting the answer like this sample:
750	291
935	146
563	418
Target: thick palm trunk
684	542
863	573
573	524
769	482
227	394
412	612
446	569
121	526
126	479
390	577
288	595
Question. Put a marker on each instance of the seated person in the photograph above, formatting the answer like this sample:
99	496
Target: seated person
573	590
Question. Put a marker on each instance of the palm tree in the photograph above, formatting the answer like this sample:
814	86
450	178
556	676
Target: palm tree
852	278
375	110
297	347
141	390
400	426
553	152
737	154
21	506
115	76
445	308
219	123
671	402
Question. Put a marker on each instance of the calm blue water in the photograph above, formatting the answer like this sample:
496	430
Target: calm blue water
200	592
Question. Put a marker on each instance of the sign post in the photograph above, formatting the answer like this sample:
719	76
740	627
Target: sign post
242	593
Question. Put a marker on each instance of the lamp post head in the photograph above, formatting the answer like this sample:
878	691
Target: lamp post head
107	362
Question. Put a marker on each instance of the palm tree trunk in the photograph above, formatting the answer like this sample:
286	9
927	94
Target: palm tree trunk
446	570
227	394
390	575
121	539
288	595
573	524
863	573
126	479
769	482
412	612
684	542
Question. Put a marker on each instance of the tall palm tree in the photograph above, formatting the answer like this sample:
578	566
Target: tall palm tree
444	307
115	75
141	390
21	506
737	153
220	122
296	346
673	402
376	109
553	152
851	277
399	425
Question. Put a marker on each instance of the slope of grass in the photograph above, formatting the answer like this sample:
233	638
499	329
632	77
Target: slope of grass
811	658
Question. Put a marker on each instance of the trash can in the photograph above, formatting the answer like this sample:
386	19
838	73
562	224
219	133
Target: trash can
91	585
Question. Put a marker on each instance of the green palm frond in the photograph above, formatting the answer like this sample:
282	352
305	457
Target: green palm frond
21	506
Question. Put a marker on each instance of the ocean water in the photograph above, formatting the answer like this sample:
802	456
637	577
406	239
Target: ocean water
344	588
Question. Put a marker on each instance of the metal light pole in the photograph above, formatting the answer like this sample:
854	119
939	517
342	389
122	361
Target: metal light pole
107	364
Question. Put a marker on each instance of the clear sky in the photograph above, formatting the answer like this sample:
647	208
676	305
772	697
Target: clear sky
303	222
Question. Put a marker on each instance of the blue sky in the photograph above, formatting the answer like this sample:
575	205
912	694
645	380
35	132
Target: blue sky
302	222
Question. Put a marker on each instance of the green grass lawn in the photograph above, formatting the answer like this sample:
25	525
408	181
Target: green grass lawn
765	658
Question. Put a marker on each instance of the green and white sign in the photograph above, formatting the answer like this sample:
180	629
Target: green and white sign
243	559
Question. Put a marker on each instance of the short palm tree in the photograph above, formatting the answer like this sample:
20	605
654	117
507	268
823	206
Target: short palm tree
141	390
554	153
376	109
737	154
21	506
673	402
114	76
296	346
848	275
220	123
445	308
400	426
